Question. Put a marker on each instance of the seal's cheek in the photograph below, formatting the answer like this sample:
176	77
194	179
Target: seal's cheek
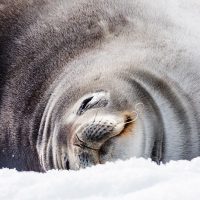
119	148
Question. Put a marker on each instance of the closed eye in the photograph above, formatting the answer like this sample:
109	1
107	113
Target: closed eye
84	105
95	101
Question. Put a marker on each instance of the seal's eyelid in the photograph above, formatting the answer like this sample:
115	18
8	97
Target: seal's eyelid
84	105
92	102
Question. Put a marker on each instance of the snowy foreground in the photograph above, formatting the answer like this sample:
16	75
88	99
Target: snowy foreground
133	179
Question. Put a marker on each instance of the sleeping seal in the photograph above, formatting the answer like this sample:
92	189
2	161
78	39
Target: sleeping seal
85	82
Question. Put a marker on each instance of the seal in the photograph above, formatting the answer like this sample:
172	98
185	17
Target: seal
85	82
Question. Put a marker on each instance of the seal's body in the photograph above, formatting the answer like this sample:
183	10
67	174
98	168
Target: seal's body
85	82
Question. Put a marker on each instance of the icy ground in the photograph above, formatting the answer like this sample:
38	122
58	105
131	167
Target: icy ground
135	179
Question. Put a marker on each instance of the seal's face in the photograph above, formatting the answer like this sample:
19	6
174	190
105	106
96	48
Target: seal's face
93	131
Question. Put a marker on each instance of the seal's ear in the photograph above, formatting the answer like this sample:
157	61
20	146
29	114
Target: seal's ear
93	100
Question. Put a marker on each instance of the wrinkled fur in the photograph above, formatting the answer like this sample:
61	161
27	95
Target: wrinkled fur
79	42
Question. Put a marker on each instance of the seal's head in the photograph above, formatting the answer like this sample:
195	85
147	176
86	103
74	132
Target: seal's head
91	131
93	128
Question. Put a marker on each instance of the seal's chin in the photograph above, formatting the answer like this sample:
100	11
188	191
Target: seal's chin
95	138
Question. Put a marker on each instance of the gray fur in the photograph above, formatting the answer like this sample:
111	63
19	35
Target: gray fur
55	54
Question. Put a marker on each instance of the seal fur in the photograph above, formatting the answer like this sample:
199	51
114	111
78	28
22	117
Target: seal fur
71	73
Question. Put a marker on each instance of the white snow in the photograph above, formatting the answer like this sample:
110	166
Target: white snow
132	179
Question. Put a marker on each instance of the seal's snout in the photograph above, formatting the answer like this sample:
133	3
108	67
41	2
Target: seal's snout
90	136
94	134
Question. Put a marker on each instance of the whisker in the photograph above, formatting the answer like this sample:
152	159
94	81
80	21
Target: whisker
140	104
95	116
82	144
128	122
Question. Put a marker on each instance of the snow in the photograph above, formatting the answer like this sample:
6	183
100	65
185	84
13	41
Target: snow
136	178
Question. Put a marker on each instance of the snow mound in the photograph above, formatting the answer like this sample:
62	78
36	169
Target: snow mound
132	179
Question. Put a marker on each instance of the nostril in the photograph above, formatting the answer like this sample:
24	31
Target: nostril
128	119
